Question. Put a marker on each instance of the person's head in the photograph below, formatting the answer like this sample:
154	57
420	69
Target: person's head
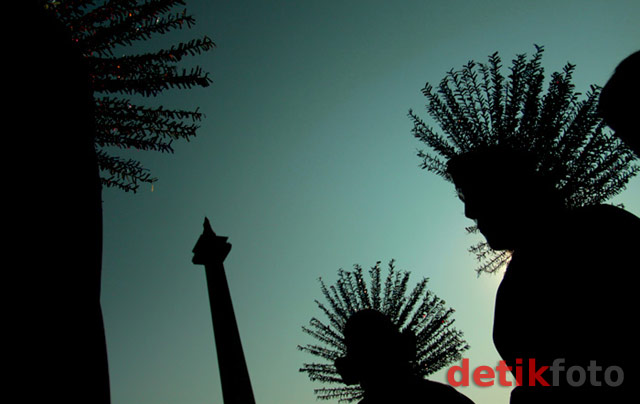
376	350
619	103
503	193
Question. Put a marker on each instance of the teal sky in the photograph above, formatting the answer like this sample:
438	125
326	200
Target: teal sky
307	163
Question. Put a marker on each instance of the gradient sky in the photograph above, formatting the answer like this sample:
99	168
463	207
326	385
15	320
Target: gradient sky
307	163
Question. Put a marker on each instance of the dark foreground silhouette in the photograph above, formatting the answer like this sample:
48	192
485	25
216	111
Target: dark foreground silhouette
379	359
569	291
619	102
53	218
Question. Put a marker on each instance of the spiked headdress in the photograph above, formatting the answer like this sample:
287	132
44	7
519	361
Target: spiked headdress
420	316
477	108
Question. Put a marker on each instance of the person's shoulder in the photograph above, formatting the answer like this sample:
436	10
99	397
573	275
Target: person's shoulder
606	219
605	212
606	236
436	392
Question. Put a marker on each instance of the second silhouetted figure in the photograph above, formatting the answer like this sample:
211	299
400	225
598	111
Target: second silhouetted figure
379	358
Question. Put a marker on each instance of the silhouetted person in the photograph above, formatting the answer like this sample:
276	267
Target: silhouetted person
569	290
379	359
620	101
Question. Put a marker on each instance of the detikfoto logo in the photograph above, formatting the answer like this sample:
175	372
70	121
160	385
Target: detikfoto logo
575	376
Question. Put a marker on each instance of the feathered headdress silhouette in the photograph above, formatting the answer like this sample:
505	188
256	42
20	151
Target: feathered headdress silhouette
476	107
